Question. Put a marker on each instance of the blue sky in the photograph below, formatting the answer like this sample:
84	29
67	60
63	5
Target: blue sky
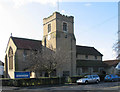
95	23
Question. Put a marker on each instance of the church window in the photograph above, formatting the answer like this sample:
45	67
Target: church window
101	69
90	70
79	71
49	28
64	26
95	69
95	57
66	73
86	56
85	69
24	55
10	58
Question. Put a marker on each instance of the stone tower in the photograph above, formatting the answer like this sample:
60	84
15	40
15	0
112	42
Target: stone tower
58	32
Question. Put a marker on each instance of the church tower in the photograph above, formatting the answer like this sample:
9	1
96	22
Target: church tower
58	32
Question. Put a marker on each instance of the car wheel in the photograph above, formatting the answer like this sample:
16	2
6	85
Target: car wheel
86	82
97	81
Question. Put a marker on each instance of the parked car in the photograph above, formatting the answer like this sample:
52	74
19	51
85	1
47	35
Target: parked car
89	79
111	77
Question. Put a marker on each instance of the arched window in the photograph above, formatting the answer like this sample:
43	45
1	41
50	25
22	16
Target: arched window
10	58
64	26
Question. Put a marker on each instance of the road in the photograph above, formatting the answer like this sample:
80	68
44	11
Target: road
102	86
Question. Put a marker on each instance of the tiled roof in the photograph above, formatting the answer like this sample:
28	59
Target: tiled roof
23	43
112	62
85	50
90	63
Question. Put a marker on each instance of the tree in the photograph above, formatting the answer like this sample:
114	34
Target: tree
46	59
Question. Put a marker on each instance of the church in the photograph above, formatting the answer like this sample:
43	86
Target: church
58	32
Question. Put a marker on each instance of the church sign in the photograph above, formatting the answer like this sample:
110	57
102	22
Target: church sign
22	74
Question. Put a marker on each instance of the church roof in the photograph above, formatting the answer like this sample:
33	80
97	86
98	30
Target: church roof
85	50
112	62
24	43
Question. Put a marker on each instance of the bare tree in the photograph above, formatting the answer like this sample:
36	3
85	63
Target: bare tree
46	59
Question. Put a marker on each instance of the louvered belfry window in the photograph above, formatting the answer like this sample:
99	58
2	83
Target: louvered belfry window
64	26
49	28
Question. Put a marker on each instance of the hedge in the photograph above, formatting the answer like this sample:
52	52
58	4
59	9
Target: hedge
33	81
42	81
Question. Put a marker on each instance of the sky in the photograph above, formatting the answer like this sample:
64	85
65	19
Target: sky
95	23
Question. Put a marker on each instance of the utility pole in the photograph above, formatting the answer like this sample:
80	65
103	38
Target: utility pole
57	5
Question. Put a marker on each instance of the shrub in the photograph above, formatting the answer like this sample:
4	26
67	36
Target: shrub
33	81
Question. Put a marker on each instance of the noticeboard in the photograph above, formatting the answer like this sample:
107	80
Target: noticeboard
22	74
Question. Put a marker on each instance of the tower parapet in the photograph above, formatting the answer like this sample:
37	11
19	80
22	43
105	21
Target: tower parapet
58	16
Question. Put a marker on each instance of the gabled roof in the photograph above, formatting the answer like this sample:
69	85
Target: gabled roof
112	62
90	63
24	43
85	50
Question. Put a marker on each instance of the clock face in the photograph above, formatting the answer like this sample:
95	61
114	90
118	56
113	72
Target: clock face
48	37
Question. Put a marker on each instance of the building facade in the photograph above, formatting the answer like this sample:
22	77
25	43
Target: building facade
16	52
58	34
113	66
89	61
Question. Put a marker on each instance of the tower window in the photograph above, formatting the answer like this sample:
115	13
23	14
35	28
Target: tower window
64	26
49	28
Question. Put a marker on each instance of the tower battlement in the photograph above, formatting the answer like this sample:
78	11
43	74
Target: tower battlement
59	16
